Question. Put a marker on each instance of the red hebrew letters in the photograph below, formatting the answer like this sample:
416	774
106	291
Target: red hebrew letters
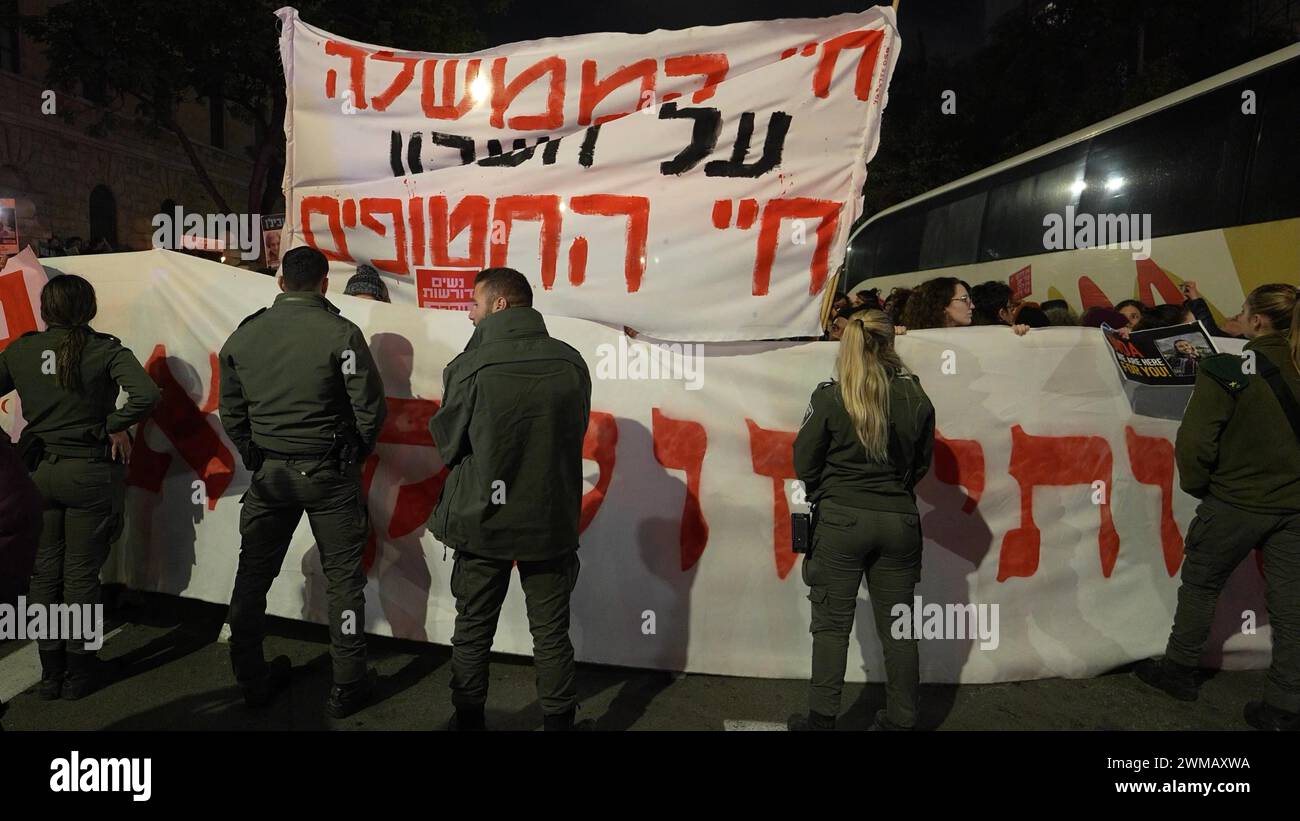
407	423
1152	462
542	207
713	67
382	101
960	462
593	90
869	42
503	94
16	307
637	212
772	452
1055	460
471	212
329	206
769	233
450	109
188	428
356	71
599	445
391	206
680	445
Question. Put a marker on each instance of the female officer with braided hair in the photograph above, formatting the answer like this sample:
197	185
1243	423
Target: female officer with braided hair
76	445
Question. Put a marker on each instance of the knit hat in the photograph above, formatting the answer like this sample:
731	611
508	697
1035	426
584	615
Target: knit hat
366	282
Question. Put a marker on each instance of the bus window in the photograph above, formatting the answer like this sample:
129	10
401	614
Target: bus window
1273	191
952	232
1184	165
899	244
1021	197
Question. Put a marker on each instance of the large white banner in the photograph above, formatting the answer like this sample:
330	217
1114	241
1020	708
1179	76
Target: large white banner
1051	508
627	175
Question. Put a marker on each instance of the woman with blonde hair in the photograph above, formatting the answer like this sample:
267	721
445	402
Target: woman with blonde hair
865	442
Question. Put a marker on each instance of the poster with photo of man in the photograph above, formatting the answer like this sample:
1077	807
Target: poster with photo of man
1160	356
271	225
8	227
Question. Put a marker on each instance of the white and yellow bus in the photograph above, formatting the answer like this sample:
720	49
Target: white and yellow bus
1212	170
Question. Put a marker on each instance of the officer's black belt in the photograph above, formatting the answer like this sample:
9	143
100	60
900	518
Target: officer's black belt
285	457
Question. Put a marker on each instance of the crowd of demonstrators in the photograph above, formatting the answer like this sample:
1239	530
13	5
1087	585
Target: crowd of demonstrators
1059	313
946	302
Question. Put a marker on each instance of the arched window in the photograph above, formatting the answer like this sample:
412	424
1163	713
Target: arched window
103	216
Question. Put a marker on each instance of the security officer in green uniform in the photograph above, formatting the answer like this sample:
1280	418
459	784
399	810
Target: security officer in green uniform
865	442
77	446
514	414
302	400
1238	451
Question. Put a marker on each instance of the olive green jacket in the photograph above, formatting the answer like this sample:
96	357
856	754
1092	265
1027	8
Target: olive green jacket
72	423
513	418
1235	443
833	465
295	374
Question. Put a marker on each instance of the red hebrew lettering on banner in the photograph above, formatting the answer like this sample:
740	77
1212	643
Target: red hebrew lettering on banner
869	42
442	288
450	109
713	67
960	462
1151	459
599	445
504	93
1056	460
544	208
16	307
190	428
772	452
593	91
637	212
680	444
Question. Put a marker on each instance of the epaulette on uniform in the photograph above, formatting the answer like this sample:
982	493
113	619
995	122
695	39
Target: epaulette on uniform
109	337
251	317
1226	369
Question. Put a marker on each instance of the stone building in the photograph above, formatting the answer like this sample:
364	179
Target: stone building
69	183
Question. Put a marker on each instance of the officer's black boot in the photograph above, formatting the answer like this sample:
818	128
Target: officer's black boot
260	692
1174	679
467	718
54	669
882	723
812	721
1264	716
86	674
346	699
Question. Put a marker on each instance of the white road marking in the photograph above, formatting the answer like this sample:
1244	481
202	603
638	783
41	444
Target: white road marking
732	725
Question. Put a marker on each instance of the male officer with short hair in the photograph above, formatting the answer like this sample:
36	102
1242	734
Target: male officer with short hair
303	402
514	415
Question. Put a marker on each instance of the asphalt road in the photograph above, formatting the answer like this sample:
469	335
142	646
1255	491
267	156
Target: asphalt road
177	676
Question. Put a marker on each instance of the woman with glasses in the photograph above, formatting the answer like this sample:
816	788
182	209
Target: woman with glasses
944	302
